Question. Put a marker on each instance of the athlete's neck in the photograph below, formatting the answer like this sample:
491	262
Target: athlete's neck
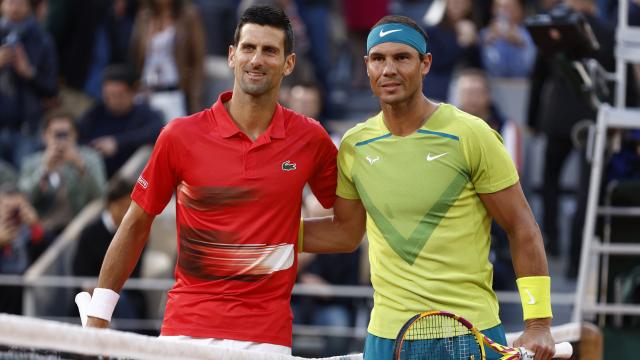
405	118
252	114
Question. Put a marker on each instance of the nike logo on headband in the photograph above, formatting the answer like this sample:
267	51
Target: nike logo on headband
385	33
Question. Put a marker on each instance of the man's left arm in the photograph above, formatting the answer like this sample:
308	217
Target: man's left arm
510	209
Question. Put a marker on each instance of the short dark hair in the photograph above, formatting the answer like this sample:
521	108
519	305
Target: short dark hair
59	114
118	188
119	72
177	7
269	16
389	19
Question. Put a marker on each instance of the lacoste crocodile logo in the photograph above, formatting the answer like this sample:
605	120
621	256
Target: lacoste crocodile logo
288	166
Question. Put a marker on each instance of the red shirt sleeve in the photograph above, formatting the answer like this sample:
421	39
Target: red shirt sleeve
158	180
324	179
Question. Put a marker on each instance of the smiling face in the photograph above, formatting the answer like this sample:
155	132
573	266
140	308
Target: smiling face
259	61
395	72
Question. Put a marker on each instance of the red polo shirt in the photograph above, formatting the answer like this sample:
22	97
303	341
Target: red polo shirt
237	215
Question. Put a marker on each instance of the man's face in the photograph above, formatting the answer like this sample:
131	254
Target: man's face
15	10
258	61
395	71
473	95
60	134
117	96
509	8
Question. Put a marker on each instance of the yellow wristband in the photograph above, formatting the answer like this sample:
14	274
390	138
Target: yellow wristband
300	235
535	294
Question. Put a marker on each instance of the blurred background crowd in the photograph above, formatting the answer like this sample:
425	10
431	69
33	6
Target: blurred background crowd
84	84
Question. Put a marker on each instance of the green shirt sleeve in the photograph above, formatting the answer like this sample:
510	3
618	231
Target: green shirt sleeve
491	167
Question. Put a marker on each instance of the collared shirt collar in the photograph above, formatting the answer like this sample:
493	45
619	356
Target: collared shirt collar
228	128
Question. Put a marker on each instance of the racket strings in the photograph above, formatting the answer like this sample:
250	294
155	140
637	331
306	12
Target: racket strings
438	337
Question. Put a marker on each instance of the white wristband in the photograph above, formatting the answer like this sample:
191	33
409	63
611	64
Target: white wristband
103	302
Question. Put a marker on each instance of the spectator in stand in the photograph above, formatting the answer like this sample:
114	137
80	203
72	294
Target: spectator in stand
359	16
168	49
506	48
306	99
28	74
90	35
94	241
63	178
116	127
453	41
20	233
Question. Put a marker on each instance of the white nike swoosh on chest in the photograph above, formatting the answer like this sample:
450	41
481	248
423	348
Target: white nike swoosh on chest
431	158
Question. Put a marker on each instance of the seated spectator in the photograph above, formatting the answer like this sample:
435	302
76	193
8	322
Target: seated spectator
94	241
63	178
168	50
28	74
116	126
453	41
20	234
306	99
321	270
506	48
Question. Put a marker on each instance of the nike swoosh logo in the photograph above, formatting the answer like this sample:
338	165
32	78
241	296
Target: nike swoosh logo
385	33
532	300
431	158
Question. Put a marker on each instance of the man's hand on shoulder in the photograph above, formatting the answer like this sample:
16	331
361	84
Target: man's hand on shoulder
537	338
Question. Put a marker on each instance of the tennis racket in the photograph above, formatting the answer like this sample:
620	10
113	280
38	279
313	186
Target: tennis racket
440	335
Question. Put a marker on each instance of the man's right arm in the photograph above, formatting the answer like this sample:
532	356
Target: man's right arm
342	232
123	253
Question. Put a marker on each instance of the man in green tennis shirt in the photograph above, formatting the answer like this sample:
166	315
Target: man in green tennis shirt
426	179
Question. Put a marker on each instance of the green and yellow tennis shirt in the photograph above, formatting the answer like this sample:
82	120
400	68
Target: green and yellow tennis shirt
428	230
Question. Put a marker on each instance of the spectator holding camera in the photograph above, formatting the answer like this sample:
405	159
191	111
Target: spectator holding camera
506	48
20	233
116	126
64	177
28	74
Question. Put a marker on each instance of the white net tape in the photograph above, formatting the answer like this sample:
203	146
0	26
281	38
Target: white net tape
31	333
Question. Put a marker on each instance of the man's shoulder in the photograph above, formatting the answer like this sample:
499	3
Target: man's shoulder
295	120
462	123
189	123
364	131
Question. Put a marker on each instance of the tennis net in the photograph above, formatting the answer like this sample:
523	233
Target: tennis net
37	339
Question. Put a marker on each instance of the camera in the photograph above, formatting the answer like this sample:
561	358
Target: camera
562	31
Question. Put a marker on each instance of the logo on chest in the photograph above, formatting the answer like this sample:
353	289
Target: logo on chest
288	166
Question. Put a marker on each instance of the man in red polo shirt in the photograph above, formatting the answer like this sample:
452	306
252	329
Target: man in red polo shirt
238	170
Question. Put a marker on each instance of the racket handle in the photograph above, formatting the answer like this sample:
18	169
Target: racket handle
564	350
